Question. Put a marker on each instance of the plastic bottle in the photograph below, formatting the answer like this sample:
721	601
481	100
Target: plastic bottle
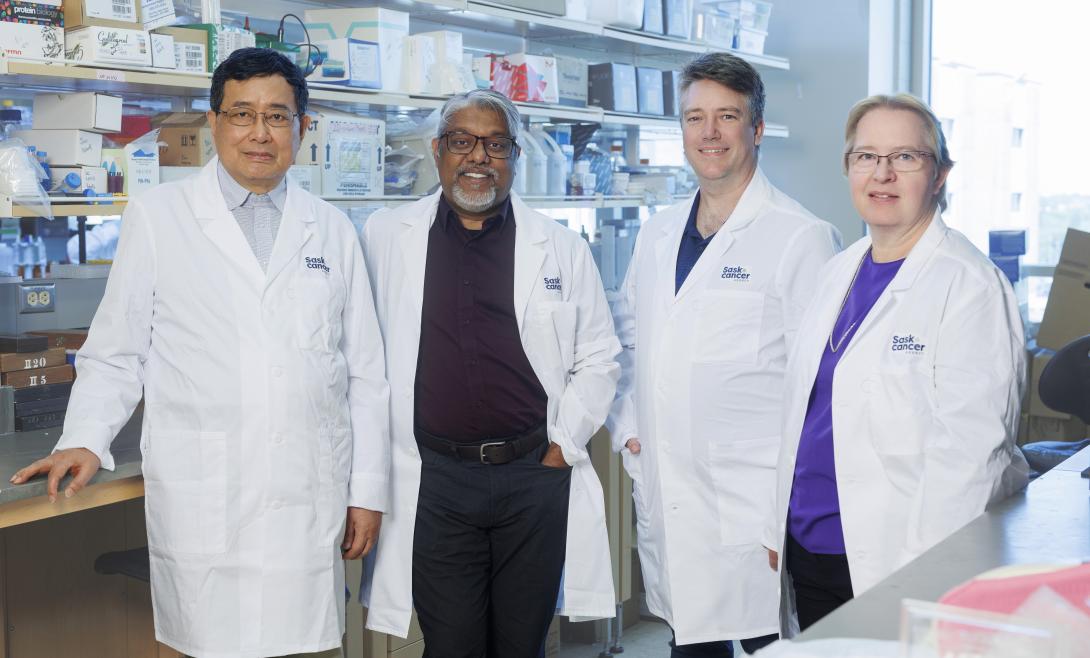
519	184
557	164
616	156
537	164
7	259
569	164
43	159
600	167
618	166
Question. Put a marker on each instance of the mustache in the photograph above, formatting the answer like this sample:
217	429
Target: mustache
488	171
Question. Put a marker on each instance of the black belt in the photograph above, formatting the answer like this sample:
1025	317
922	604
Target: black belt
491	451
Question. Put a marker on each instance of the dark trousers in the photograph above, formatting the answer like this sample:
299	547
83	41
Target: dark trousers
488	554
720	648
822	583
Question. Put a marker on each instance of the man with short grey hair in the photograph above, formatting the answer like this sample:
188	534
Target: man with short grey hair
500	353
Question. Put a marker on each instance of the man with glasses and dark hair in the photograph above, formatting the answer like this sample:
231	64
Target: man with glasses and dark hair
239	305
501	361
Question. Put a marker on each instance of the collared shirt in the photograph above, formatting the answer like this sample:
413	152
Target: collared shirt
258	215
692	247
473	380
814	507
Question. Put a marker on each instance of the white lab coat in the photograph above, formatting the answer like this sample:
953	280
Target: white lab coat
925	398
702	389
568	338
265	413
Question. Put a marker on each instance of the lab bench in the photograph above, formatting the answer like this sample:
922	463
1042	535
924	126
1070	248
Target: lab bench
1047	522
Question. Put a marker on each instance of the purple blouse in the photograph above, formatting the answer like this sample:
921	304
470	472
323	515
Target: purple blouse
814	511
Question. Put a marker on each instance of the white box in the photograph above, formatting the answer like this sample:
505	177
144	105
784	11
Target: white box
523	77
350	151
141	168
308	177
89	178
190	57
162	51
108	45
419	65
447	76
349	62
32	41
108	13
386	27
71	148
85	110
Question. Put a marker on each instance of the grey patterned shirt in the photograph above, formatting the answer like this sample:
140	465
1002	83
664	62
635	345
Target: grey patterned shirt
258	215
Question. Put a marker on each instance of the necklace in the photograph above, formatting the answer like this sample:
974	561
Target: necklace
843	302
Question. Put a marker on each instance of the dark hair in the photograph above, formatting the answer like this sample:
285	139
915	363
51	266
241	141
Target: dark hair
733	73
246	63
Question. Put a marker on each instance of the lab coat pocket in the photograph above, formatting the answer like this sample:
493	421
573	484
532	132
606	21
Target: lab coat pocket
728	326
898	418
558	321
318	304
185	491
334	467
744	477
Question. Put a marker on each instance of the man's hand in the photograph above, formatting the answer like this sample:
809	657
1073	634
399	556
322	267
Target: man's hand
81	462
554	457
773	559
633	445
360	532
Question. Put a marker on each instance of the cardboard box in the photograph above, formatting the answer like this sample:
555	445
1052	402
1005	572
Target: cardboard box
69	339
108	45
65	147
386	27
78	179
221	41
350	151
349	62
38	376
31	360
523	77
613	87
102	13
649	90
188	139
677	18
1067	313
33	12
671	93
571	77
308	177
190	48
162	51
32	41
84	110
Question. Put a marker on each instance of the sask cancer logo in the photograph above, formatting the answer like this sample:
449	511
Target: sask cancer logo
907	344
735	273
317	263
552	283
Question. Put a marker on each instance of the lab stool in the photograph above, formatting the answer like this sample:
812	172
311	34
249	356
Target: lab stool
134	563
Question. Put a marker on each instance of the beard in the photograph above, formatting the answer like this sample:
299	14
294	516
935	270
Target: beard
474	201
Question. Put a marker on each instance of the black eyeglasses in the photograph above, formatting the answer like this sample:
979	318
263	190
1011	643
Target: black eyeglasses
900	161
242	117
463	143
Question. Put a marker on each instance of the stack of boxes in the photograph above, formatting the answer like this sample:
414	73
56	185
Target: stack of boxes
32	29
1067	317
41	378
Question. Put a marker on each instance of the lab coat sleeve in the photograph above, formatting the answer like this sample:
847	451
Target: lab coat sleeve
979	369
805	255
621	422
592	381
110	365
368	391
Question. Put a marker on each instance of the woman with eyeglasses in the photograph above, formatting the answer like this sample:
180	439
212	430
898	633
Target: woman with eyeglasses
904	386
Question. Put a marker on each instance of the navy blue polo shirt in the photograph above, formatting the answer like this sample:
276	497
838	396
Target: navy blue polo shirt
692	246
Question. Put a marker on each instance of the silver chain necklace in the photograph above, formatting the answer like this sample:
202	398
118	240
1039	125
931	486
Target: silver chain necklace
843	302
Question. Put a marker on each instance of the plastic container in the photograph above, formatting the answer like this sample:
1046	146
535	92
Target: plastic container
751	14
537	164
619	13
557	164
714	28
749	40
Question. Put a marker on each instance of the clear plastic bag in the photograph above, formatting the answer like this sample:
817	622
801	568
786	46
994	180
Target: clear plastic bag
21	176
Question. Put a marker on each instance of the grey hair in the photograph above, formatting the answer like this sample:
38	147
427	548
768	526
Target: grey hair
482	99
932	130
733	73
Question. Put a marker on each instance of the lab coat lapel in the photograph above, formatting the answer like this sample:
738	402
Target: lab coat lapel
666	247
417	221
220	227
919	256
296	228
529	256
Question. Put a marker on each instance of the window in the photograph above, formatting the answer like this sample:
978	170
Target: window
1019	114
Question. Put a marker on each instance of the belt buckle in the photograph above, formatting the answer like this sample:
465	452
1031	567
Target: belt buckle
488	445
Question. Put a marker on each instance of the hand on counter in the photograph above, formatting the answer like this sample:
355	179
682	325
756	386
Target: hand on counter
360	532
80	462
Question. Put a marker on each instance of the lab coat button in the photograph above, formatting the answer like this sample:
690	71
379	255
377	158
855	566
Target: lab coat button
275	504
277	371
278	438
868	385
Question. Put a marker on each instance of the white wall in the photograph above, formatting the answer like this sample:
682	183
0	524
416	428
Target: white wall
829	45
